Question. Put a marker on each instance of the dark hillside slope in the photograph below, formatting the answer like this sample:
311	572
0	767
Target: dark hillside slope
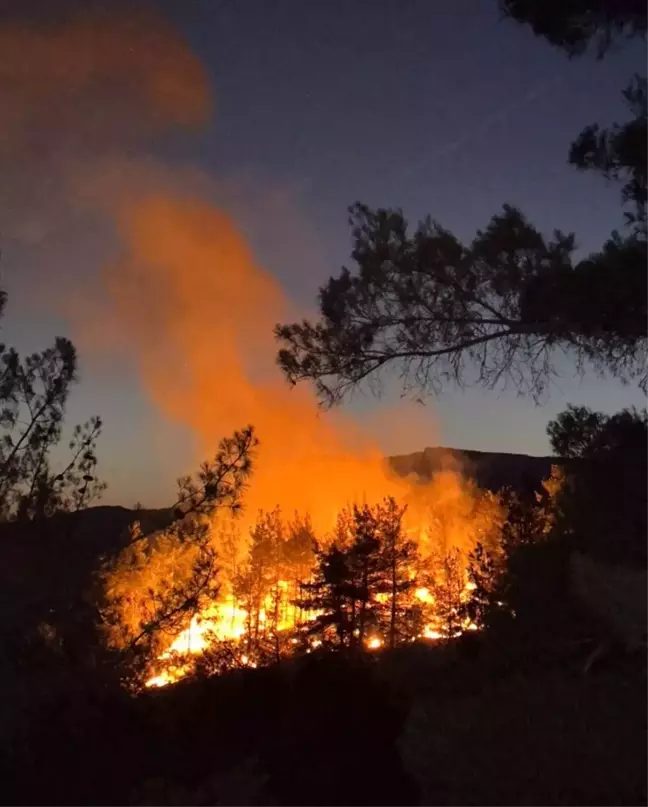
492	470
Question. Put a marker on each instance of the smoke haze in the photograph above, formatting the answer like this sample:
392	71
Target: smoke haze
185	301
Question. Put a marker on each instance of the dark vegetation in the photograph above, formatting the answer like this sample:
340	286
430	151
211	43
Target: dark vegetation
546	704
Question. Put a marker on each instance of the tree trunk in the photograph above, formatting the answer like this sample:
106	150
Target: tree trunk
363	604
392	622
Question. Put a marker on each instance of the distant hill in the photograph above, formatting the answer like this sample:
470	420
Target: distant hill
491	470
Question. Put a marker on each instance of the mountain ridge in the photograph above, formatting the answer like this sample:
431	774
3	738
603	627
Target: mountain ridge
493	470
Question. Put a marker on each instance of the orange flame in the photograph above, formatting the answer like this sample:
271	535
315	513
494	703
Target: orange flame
199	314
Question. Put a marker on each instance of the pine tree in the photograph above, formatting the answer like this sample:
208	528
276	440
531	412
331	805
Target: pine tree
398	561
331	594
259	583
298	560
448	586
365	562
362	582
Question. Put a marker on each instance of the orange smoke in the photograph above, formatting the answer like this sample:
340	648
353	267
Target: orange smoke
94	72
79	89
199	313
195	309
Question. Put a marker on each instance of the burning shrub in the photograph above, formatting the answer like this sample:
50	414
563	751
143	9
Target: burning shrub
158	584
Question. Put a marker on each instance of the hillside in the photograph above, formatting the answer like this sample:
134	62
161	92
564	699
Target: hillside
491	470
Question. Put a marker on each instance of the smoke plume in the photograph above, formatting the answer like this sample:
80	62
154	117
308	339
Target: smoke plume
185	300
200	314
81	85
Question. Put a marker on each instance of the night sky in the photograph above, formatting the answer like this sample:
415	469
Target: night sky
435	107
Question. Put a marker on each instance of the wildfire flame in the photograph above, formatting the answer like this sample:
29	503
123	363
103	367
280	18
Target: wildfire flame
227	621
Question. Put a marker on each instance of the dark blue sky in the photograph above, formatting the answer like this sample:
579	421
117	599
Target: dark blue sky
436	107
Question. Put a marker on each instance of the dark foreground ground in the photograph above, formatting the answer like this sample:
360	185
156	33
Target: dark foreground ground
506	719
443	725
551	738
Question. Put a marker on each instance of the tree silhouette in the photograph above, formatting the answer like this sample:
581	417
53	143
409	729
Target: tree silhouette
298	558
347	579
331	595
575	24
496	309
363	583
220	482
500	308
573	431
33	397
484	573
503	577
618	153
398	561
603	503
447	584
258	586
364	560
158	582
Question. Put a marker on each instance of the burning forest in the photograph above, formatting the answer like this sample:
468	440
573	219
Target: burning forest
221	590
252	576
311	539
306	621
